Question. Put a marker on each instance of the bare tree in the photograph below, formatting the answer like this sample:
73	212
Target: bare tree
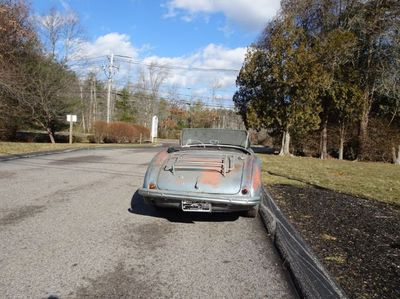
61	33
72	34
45	94
51	29
150	80
215	86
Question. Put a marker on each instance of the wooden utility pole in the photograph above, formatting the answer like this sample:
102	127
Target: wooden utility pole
109	74
83	111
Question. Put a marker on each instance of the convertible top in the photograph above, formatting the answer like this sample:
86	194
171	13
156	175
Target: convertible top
215	137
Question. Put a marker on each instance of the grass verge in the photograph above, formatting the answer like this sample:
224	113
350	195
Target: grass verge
372	180
14	148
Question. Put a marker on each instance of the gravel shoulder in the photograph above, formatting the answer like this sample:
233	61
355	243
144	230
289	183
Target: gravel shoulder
73	226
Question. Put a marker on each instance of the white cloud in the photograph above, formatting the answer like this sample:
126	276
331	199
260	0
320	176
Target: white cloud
223	61
227	30
116	43
252	14
90	56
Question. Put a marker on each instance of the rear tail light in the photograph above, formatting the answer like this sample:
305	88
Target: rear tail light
152	186
245	191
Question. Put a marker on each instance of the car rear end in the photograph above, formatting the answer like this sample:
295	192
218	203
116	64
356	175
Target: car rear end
204	180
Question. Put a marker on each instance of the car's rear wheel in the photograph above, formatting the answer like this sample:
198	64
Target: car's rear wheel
253	212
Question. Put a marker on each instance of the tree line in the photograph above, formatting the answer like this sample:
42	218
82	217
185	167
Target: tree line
323	77
38	87
138	101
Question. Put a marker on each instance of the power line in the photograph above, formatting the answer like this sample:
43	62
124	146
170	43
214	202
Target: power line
130	59
86	58
96	62
168	66
191	97
169	100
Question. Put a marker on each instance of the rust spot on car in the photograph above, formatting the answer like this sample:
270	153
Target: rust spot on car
256	178
210	178
237	167
160	158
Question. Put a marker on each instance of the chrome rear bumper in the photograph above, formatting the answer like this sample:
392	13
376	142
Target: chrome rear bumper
174	197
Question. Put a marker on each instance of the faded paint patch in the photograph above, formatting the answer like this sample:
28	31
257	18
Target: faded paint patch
180	180
237	167
256	178
210	178
160	158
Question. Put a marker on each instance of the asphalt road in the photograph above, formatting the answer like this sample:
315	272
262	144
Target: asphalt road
72	225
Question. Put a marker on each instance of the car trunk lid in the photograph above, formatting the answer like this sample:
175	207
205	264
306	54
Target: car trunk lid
204	172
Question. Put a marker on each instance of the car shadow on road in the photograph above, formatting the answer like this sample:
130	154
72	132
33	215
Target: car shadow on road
138	206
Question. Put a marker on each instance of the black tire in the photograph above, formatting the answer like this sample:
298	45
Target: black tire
253	212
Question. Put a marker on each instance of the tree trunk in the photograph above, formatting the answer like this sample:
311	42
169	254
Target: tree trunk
363	127
282	144
341	140
51	135
83	122
363	136
324	140
285	144
396	159
83	111
90	116
93	120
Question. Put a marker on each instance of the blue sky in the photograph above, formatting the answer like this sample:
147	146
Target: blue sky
187	33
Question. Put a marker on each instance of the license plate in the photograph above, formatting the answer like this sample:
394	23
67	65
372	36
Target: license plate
195	206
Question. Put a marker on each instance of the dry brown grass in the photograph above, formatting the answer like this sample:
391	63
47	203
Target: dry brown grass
373	180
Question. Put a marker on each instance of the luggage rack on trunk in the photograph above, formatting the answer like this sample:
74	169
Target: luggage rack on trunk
221	164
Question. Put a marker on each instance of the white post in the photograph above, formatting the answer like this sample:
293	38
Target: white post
70	130
154	127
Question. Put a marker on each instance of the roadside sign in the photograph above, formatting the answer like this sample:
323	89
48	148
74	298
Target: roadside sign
72	118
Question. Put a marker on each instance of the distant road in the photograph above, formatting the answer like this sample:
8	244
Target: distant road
66	231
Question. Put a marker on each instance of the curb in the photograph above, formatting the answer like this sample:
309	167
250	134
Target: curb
310	278
61	151
37	154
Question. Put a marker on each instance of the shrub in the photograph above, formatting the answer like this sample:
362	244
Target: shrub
91	138
118	132
8	130
99	131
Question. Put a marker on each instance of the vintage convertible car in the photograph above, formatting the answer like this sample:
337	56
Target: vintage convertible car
213	170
